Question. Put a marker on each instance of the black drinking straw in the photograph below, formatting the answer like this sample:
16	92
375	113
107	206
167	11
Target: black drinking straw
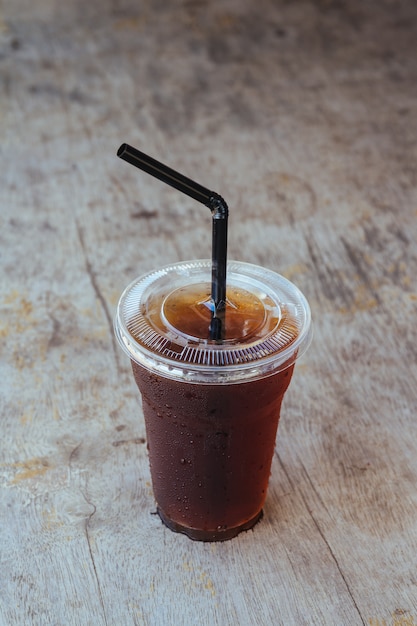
219	211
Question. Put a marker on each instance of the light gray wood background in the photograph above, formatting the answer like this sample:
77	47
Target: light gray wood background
303	116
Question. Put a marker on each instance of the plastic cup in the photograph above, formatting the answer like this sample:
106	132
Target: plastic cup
211	408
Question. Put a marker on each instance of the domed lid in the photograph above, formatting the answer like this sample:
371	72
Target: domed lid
163	318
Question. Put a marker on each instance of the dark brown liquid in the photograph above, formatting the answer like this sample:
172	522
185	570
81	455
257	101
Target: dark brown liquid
211	446
189	309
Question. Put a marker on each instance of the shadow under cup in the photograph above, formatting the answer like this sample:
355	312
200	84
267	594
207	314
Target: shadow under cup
212	408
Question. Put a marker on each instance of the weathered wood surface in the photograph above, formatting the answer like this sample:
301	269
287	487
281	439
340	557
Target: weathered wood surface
303	115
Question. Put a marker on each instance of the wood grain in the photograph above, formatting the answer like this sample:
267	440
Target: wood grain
302	115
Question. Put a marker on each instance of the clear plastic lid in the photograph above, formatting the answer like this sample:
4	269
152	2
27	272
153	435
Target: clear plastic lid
163	318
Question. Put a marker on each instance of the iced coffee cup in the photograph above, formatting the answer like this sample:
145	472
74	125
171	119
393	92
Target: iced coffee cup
212	408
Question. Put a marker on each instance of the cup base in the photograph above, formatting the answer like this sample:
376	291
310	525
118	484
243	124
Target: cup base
196	534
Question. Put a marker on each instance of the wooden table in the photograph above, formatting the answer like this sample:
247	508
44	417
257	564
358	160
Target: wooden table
303	116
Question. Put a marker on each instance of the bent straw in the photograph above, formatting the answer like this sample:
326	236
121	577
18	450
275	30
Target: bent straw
220	213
